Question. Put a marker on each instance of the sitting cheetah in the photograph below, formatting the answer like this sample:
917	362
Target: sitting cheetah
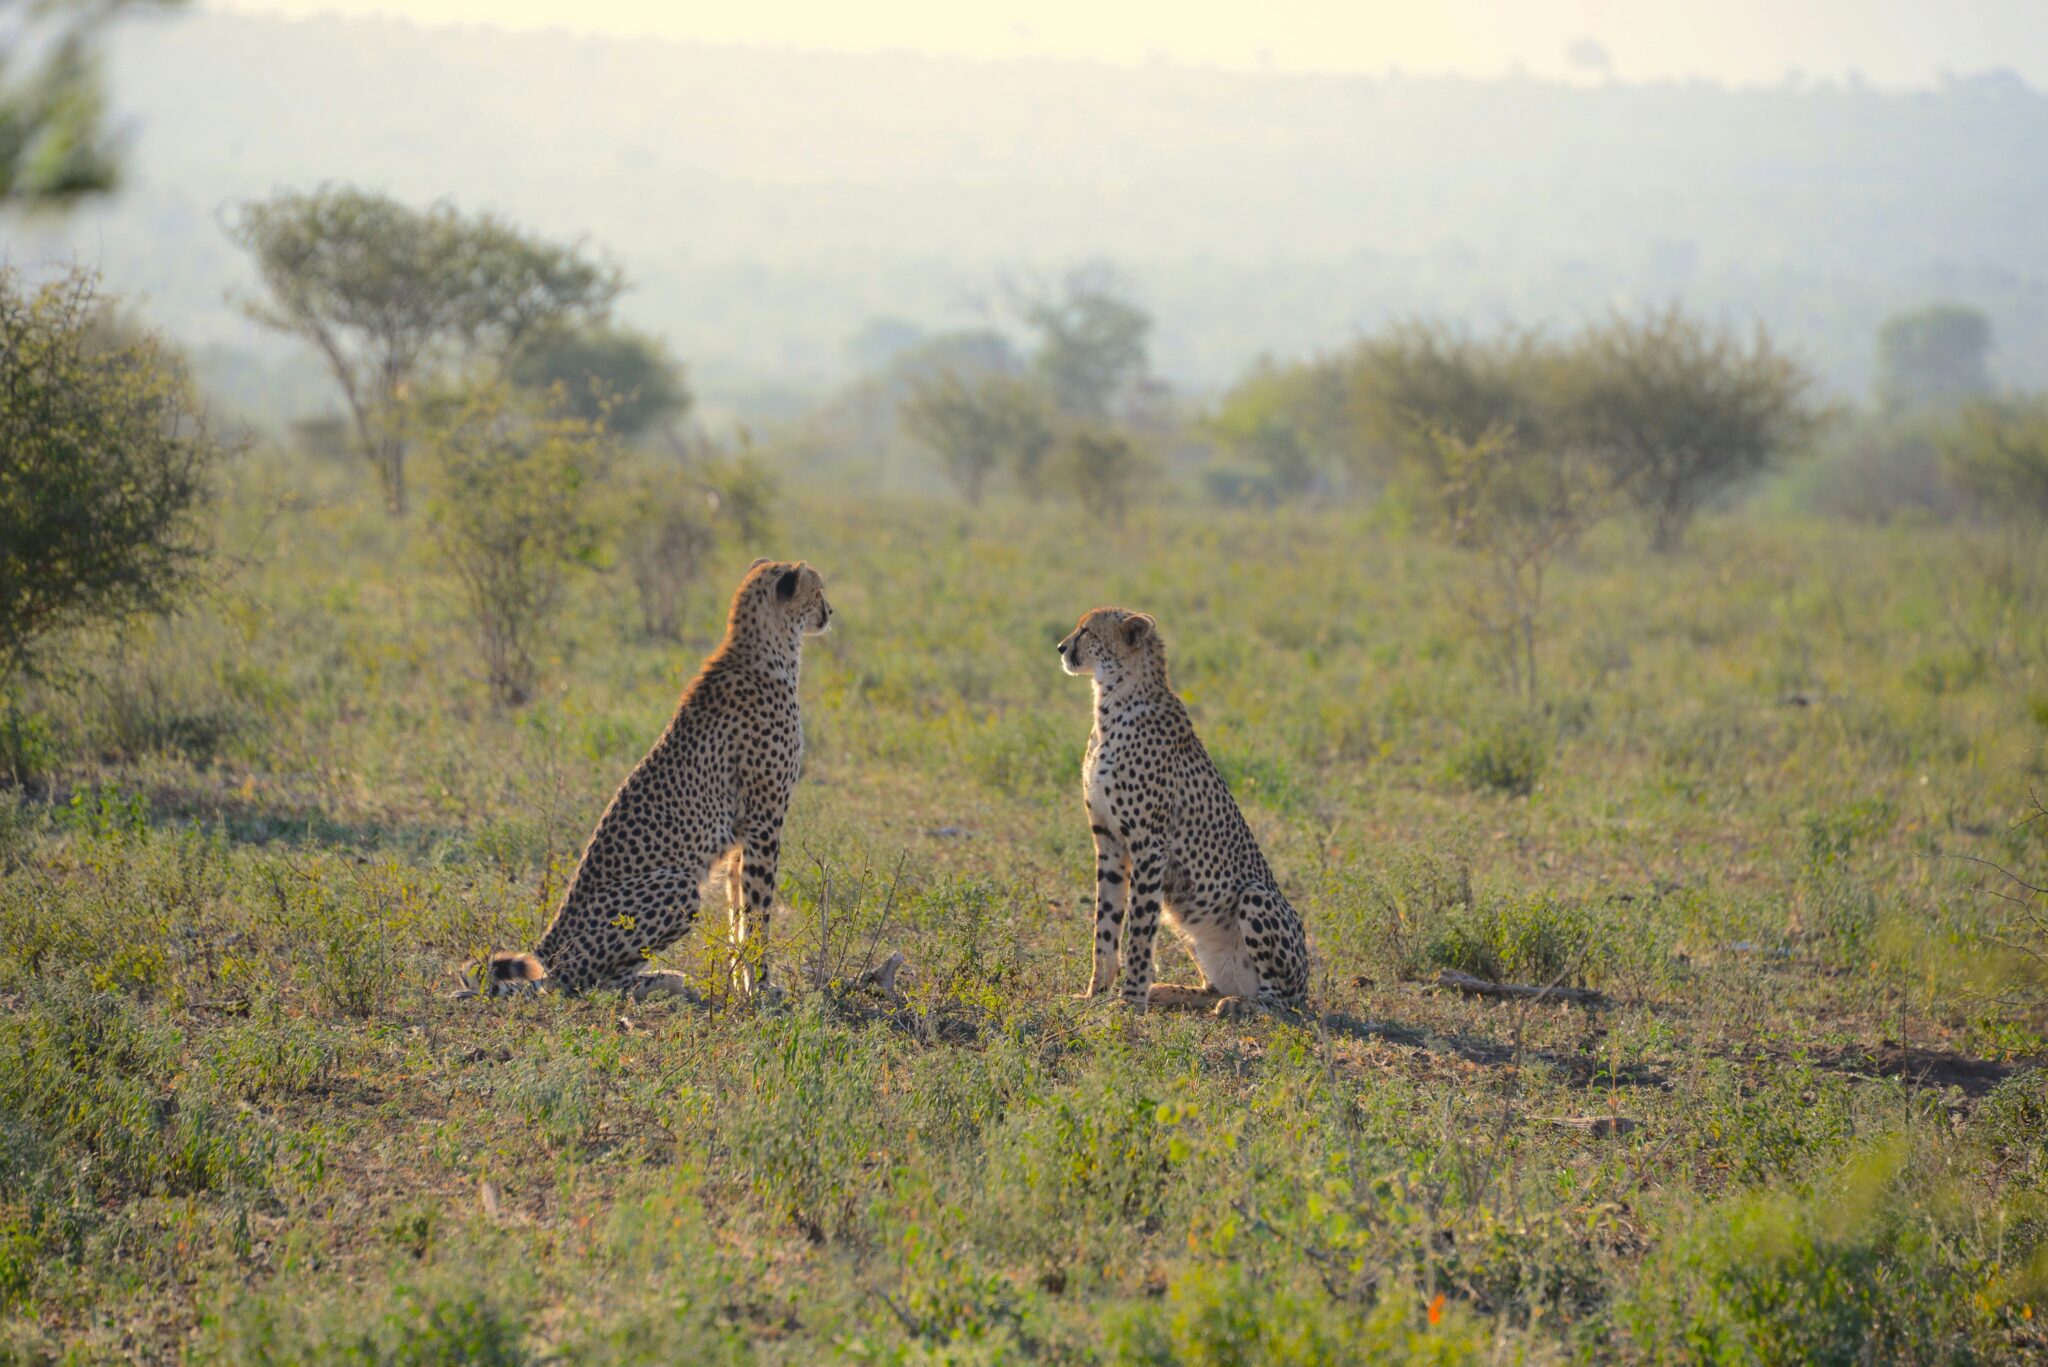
720	777
1168	834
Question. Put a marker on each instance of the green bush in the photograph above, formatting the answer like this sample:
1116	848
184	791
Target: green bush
1877	1261
1221	1316
514	509
29	753
2013	1119
1532	939
1093	1146
418	1328
1507	756
806	1121
109	472
94	1100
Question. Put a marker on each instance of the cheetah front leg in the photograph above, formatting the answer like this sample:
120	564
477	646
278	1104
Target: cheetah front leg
760	849
1112	891
1148	867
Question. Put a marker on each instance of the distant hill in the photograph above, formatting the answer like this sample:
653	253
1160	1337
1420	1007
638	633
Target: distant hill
769	203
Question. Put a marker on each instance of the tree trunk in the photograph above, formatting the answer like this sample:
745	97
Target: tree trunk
1667	529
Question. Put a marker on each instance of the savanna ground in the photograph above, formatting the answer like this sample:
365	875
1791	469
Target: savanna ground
244	1120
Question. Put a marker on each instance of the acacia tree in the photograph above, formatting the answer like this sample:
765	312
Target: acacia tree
385	291
1416	382
1099	468
105	468
977	426
1091	339
1679	411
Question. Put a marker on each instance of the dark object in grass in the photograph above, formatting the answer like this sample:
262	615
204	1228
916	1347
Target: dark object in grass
883	976
1479	987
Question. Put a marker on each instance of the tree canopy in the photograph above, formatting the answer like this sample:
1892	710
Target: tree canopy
622	377
1679	411
107	468
385	291
977	425
1936	355
1091	339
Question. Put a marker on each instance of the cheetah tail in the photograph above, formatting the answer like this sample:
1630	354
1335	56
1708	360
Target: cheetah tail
505	967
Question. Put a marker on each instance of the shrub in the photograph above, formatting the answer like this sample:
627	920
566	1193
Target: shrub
515	507
1508	756
1532	939
1099	468
806	1124
108	472
1516	508
1680	411
666	537
1873	1263
420	1328
1099	1146
1222	1316
28	746
2013	1119
89	1090
976	426
1998	454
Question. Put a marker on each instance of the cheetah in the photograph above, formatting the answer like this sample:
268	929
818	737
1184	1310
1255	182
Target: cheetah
711	793
1168	837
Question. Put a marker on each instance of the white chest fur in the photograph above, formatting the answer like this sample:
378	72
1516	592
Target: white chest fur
1098	776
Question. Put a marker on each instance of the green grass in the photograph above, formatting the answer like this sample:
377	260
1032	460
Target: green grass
241	1120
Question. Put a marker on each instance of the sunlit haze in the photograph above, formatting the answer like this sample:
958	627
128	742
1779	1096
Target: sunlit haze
1887	42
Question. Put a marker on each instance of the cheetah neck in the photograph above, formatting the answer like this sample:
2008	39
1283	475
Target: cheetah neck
1126	693
768	649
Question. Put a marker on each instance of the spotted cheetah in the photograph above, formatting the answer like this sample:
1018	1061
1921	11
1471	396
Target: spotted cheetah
1168	837
716	785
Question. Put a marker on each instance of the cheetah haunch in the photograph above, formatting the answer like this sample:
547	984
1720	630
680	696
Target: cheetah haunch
719	779
1169	839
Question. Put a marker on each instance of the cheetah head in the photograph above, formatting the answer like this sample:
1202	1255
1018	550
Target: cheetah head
792	590
1112	644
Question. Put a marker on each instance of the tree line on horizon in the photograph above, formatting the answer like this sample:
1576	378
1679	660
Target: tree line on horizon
553	436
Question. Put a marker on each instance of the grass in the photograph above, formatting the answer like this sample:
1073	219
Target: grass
241	1121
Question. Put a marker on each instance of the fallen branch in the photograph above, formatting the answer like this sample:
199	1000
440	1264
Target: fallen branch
1599	1126
1479	987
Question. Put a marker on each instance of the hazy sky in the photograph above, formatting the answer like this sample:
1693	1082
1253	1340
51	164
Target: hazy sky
1891	42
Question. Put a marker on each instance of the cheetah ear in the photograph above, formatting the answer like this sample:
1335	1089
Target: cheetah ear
785	587
1136	628
759	561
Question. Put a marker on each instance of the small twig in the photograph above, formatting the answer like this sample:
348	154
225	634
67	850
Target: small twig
903	1317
